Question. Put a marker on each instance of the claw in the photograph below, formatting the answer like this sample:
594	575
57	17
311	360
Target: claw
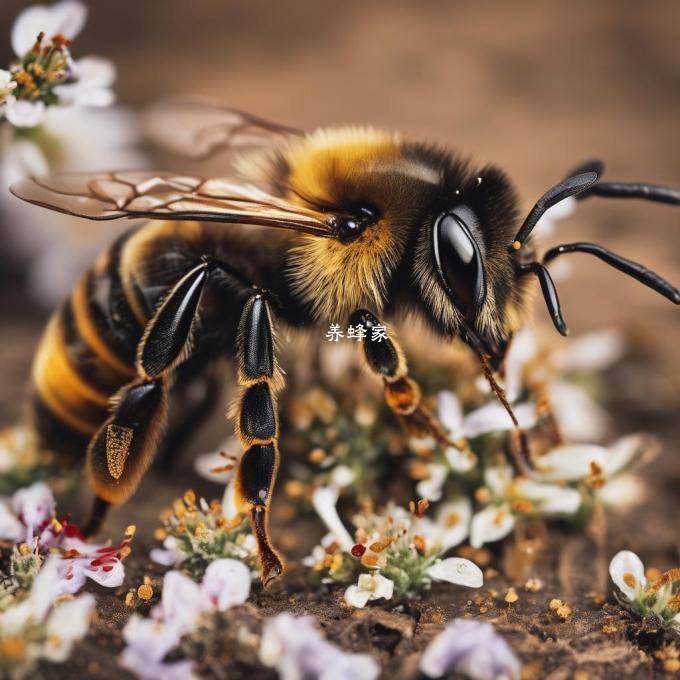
270	562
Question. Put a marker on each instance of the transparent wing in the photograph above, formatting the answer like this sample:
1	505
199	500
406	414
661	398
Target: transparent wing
198	129
164	195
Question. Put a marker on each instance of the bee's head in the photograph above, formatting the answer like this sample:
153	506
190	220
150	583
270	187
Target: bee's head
465	275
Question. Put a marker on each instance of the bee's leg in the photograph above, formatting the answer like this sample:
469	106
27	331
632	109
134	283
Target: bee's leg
402	393
122	449
257	427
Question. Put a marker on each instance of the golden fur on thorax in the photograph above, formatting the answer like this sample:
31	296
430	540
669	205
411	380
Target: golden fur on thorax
343	168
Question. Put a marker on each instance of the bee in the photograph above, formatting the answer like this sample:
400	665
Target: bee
347	225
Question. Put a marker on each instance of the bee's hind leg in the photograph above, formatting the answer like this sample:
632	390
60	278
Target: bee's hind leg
257	426
402	393
122	449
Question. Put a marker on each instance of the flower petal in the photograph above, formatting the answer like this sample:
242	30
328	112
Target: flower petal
623	491
623	452
491	524
571	462
628	573
111	577
522	349
450	413
452	524
182	600
10	527
551	499
498	478
431	488
34	504
356	597
226	583
27	26
457	570
22	113
592	352
68	623
470	648
460	461
66	17
492	417
324	500
148	641
580	418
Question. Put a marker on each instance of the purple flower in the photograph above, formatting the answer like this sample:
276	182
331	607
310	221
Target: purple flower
297	650
473	649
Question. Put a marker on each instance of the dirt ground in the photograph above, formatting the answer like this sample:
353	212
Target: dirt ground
534	86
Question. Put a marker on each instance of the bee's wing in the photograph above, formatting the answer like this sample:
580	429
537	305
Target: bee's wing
167	196
198	129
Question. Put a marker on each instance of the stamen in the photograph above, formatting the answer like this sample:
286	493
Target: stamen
630	580
670	576
38	41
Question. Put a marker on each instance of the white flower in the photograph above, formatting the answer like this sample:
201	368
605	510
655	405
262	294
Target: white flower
27	514
33	608
170	556
491	524
212	465
68	623
6	87
65	624
294	646
66	18
472	649
658	598
457	570
147	642
92	85
103	564
181	601
591	353
497	520
55	247
491	417
628	573
34	505
24	113
324	500
226	583
431	488
579	417
341	476
450	526
369	587
609	465
10	527
523	349
319	552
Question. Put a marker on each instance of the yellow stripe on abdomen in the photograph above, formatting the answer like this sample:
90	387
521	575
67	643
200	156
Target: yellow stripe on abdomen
72	400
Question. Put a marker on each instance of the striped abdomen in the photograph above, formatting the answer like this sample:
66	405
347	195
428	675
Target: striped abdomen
85	355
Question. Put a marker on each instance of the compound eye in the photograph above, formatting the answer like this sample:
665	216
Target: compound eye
458	259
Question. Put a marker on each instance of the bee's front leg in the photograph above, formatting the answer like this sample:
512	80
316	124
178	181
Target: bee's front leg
402	393
257	426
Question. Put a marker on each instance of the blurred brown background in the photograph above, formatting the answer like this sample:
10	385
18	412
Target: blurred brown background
533	86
